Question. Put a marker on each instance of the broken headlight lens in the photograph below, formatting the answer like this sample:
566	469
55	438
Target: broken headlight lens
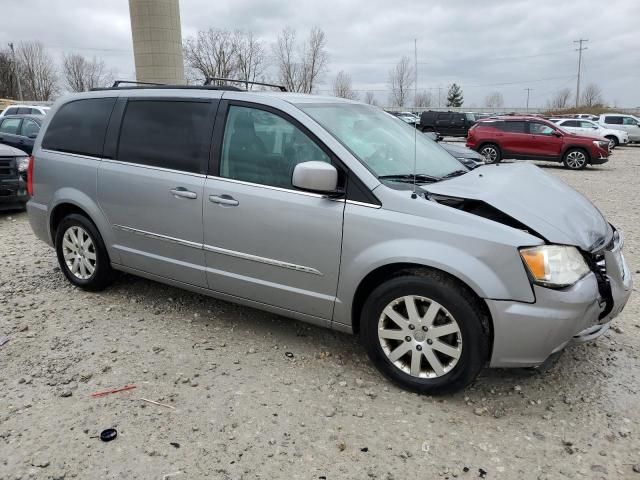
554	265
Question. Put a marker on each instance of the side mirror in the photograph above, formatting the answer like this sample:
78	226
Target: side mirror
557	134
319	177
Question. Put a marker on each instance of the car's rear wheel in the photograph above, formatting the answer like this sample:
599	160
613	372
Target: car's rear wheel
613	141
491	153
575	159
81	253
425	331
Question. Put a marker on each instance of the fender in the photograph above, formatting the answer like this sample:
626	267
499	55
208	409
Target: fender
68	195
485	259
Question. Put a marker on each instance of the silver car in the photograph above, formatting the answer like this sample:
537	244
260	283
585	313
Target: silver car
331	212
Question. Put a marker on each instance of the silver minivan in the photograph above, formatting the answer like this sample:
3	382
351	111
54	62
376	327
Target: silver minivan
331	212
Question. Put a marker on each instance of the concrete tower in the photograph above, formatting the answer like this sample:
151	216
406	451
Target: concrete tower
157	40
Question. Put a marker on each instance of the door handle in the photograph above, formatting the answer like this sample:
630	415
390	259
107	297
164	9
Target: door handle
183	193
226	200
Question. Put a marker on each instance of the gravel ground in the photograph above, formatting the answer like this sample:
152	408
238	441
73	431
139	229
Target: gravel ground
255	395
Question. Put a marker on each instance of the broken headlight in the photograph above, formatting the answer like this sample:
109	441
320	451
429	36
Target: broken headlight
554	265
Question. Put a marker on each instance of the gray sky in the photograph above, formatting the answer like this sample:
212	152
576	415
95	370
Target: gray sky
485	46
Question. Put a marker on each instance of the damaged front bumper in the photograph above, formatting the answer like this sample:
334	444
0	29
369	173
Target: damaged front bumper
526	334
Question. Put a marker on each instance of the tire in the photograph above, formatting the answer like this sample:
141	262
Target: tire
575	159
428	129
90	260
491	153
613	141
455	309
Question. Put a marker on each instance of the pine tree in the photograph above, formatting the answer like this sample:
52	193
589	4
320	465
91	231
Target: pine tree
454	96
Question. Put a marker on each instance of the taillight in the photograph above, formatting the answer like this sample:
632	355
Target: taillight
30	175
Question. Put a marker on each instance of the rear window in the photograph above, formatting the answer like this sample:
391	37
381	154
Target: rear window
613	120
10	126
79	127
513	126
167	134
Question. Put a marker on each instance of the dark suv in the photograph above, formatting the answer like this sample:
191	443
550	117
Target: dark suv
534	138
20	131
13	178
452	124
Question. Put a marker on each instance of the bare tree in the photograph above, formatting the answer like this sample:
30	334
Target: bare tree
592	96
370	98
401	78
494	100
422	99
211	53
301	67
560	100
37	70
82	75
250	57
342	86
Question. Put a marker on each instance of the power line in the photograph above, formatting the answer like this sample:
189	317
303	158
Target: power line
579	50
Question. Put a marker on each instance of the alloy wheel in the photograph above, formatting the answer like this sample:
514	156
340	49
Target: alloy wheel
612	144
576	159
490	154
79	252
420	337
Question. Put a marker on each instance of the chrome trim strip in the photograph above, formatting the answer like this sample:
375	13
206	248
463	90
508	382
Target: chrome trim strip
363	204
158	236
267	261
151	167
222	251
269	187
77	155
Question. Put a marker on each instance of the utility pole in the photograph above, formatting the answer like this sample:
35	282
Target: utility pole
579	50
439	90
15	71
528	92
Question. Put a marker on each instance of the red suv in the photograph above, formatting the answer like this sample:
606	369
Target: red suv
534	138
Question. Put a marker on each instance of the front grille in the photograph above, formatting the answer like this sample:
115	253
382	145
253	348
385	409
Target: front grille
7	167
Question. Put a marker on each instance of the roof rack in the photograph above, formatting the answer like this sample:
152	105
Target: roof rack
209	81
131	85
117	83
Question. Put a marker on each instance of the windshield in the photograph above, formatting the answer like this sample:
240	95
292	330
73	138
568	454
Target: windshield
383	143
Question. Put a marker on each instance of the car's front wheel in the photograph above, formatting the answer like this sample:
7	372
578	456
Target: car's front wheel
575	159
426	332
81	253
491	153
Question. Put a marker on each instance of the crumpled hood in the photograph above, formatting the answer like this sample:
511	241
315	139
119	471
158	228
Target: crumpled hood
538	200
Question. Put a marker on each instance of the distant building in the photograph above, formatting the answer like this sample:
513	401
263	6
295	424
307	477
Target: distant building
157	40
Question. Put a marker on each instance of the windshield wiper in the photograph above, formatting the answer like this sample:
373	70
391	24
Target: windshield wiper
408	178
455	173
